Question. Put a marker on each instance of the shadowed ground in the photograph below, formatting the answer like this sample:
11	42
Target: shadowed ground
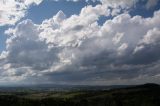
143	95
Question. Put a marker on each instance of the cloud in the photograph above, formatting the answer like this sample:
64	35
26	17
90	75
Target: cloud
79	50
12	11
151	3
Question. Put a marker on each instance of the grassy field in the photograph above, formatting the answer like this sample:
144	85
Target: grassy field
144	95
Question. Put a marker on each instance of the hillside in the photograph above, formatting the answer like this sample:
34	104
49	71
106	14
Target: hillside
141	95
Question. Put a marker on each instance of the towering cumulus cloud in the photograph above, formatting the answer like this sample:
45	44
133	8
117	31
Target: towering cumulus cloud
125	49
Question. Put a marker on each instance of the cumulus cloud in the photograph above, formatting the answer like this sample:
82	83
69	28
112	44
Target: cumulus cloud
78	49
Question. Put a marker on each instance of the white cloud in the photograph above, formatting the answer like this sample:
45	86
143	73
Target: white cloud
122	48
12	11
152	36
116	3
29	2
117	37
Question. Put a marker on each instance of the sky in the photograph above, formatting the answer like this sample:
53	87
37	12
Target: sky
82	42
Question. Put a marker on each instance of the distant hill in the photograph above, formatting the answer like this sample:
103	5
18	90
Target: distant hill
56	87
148	85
